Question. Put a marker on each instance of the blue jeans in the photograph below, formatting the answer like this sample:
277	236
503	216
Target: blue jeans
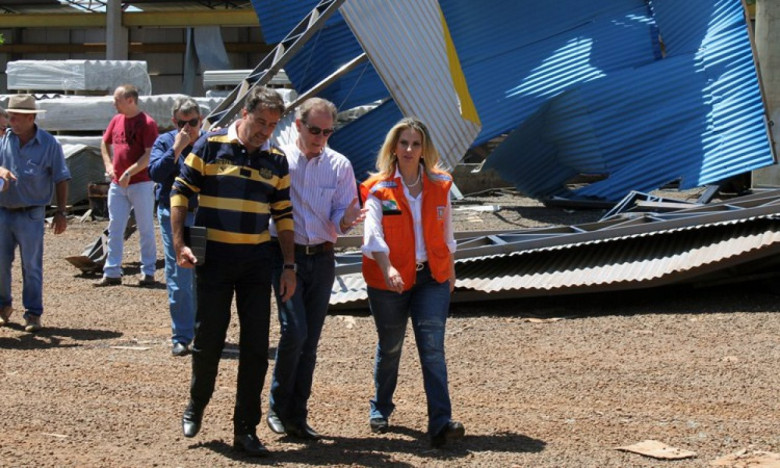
178	281
428	304
25	229
301	319
140	198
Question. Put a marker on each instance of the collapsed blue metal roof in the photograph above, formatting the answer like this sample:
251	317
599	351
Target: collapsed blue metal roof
643	92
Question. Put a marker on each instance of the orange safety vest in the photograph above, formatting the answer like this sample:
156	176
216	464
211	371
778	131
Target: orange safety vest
398	228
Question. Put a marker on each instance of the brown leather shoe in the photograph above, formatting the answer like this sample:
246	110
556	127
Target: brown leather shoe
5	314
108	281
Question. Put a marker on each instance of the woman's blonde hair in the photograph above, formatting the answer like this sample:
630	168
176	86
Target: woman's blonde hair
386	159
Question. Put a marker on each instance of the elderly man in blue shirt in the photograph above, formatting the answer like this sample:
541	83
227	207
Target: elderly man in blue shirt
31	164
167	158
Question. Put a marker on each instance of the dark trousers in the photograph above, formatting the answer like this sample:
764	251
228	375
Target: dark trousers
300	319
250	278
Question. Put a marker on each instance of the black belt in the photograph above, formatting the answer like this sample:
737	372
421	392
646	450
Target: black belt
314	249
21	208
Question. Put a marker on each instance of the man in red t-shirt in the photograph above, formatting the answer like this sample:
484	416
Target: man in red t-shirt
126	146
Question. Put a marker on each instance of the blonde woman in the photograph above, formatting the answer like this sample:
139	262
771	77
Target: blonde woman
408	265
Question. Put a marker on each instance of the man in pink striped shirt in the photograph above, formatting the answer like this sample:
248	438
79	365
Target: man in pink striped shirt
325	205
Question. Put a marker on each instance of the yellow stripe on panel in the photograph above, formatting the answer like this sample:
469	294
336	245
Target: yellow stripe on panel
467	109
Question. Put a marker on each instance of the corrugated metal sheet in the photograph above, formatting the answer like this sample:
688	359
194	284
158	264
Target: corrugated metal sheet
584	87
514	67
332	47
698	117
278	18
626	252
629	264
86	166
392	32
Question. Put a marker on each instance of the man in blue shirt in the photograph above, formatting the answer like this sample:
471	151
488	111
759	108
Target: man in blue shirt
167	158
31	163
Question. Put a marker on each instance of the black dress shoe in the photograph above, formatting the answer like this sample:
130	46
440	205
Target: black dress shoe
190	420
452	431
250	444
378	425
179	349
303	431
275	424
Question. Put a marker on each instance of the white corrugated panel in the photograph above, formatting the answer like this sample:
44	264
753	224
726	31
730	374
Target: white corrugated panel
407	42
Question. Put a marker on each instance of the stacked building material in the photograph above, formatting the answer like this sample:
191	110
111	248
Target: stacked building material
77	76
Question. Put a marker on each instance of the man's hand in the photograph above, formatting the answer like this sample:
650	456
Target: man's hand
353	215
8	176
124	179
287	284
181	141
185	258
59	223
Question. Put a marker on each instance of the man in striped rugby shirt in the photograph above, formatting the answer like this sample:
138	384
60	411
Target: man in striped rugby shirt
241	181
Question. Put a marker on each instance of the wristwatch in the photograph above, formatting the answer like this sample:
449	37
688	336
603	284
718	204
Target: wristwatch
291	266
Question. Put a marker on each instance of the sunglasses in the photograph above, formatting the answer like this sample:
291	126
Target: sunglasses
317	130
192	122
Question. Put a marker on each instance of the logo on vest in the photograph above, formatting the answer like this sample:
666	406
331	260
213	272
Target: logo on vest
390	207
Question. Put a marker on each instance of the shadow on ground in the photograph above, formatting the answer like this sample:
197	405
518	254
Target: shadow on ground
380	452
50	337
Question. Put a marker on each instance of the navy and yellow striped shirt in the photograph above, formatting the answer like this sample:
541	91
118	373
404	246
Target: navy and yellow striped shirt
238	192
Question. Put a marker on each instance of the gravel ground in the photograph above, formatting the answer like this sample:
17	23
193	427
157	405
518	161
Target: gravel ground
547	382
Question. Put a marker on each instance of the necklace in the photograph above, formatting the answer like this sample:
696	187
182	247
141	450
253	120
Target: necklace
419	178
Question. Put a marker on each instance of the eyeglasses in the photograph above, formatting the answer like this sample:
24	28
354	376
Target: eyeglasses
193	122
326	132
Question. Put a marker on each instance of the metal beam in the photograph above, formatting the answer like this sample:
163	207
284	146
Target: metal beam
183	18
133	47
223	114
170	19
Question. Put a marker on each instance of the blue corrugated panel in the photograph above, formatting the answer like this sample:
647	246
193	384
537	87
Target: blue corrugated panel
695	115
330	48
513	67
582	86
278	18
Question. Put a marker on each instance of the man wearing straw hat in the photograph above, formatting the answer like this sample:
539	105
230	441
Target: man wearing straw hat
31	163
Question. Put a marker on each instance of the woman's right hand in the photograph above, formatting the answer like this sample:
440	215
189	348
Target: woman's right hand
393	280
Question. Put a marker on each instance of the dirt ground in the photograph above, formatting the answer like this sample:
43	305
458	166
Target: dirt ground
696	369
